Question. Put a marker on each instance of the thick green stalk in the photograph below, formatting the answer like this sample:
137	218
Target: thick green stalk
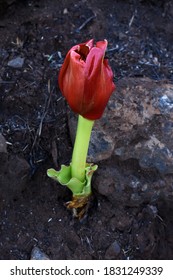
80	149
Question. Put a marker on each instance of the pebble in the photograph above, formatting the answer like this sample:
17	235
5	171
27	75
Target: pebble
37	254
16	62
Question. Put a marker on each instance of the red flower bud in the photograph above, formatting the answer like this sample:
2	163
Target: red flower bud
86	79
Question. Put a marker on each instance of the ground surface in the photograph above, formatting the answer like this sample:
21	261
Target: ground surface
33	120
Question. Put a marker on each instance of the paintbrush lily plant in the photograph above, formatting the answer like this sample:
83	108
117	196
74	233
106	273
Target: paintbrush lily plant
86	82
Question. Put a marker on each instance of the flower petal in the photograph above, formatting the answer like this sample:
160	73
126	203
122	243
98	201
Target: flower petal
86	79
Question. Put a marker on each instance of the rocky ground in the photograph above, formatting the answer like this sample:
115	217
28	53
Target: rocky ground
131	214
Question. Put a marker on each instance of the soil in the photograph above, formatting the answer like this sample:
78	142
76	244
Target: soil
34	123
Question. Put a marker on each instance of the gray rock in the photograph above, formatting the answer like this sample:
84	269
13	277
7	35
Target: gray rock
37	254
101	146
16	62
138	121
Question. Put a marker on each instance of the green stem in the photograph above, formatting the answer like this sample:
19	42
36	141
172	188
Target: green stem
80	149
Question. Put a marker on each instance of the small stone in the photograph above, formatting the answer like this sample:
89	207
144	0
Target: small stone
65	11
3	144
16	62
113	251
144	187
37	254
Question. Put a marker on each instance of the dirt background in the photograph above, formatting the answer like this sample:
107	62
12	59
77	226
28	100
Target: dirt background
35	36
